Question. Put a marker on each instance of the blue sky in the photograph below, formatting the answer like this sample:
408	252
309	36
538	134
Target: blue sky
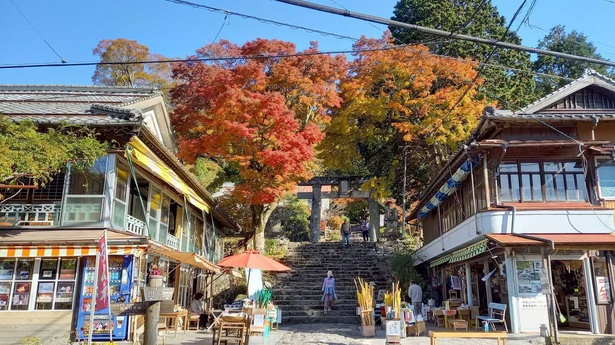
74	27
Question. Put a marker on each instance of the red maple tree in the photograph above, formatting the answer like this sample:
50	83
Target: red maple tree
262	115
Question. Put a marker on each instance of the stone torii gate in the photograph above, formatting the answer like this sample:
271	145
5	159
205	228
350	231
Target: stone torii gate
348	187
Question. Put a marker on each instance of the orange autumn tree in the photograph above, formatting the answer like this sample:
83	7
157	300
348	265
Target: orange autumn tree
262	116
398	97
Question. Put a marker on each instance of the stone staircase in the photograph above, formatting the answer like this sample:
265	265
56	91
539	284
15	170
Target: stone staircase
298	292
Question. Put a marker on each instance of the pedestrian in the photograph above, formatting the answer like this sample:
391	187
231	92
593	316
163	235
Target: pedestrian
197	306
328	291
416	297
364	229
345	230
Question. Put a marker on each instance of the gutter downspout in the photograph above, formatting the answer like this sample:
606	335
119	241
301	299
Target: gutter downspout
474	204
547	258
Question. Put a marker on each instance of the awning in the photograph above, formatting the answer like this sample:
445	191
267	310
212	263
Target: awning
143	156
440	260
469	252
76	237
449	187
182	257
64	251
576	241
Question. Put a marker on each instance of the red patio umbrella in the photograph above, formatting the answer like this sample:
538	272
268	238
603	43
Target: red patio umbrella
253	259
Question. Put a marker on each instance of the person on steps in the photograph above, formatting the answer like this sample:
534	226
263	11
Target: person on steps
364	229
345	231
328	291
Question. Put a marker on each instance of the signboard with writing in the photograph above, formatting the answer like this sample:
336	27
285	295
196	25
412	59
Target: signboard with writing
157	293
102	291
393	327
136	308
603	293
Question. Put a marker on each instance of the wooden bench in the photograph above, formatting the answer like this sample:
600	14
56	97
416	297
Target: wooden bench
434	335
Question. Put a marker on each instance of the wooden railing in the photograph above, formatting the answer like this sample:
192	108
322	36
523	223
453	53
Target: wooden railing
29	214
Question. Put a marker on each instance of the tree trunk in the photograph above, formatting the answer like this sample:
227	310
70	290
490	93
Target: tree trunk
260	216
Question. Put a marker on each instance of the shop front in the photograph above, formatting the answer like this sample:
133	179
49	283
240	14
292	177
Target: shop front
568	283
44	287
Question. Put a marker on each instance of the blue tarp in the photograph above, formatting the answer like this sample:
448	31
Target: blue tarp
449	187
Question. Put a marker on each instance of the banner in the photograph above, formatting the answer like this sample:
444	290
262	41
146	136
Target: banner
102	291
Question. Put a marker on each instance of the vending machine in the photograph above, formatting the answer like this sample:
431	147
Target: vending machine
120	280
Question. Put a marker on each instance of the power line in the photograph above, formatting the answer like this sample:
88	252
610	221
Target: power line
493	42
38	33
262	20
232	58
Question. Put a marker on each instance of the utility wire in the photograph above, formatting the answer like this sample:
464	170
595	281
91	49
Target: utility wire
224	23
493	42
146	62
38	33
262	20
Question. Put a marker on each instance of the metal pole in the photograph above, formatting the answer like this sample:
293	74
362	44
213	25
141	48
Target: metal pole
403	207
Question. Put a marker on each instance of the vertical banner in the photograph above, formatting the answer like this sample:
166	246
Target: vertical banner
102	291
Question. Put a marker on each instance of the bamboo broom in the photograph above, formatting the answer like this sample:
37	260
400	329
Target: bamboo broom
365	295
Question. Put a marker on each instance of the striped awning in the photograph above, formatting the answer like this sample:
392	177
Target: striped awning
144	157
65	251
469	252
439	261
449	187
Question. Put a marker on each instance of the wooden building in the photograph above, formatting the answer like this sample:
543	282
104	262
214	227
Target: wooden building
523	214
153	210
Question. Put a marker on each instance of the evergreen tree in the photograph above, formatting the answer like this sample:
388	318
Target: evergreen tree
512	89
574	43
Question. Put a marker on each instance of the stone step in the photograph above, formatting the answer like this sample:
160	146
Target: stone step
324	318
319	311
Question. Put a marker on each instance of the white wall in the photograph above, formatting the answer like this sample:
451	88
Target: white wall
535	221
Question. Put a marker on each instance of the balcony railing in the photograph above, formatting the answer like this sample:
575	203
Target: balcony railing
134	225
29	214
172	241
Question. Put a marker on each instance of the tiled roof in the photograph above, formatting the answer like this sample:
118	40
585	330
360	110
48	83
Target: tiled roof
493	113
87	105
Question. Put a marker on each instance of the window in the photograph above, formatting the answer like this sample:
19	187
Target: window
547	181
606	177
49	281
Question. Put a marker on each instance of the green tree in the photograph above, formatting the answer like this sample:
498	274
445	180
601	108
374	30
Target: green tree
131	75
27	151
511	89
574	43
294	216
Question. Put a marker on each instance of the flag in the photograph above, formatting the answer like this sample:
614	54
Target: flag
102	291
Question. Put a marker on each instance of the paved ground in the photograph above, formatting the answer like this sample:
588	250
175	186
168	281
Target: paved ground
337	334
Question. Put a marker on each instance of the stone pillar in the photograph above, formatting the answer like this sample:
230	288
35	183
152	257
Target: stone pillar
374	220
315	217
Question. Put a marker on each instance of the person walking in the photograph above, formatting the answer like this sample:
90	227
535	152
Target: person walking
328	291
197	306
416	297
364	229
345	231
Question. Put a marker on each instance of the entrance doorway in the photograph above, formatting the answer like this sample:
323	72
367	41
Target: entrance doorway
570	294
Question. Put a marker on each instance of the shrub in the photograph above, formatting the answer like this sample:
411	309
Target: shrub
274	250
402	269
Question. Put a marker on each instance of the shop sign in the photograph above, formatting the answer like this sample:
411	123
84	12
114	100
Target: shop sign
603	293
157	293
136	308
